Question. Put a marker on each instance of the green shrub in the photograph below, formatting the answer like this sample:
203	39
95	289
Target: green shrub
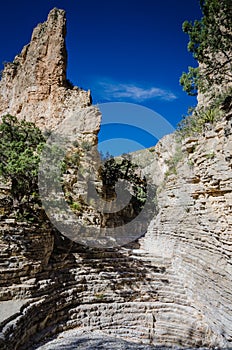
73	159
21	144
76	206
196	122
210	155
100	296
172	163
85	145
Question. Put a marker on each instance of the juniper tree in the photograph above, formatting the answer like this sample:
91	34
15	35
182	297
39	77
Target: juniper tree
211	45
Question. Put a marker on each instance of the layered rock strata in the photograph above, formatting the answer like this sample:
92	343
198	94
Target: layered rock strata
194	227
170	288
173	287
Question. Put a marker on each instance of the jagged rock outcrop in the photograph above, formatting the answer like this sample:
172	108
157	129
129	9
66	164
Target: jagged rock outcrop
172	287
34	86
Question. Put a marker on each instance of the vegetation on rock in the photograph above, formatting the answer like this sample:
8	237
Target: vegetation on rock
20	146
210	43
114	169
204	117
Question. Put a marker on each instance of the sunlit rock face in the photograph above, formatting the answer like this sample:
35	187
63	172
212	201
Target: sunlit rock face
34	86
172	287
194	228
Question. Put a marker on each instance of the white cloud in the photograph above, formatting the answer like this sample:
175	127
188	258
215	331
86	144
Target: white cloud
134	92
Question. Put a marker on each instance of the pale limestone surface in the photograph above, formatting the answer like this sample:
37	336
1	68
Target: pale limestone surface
171	288
194	226
10	308
34	87
77	339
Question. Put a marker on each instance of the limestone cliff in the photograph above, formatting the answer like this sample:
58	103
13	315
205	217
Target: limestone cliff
193	229
34	85
172	287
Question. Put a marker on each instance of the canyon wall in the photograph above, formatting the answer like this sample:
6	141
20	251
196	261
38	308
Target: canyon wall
194	226
172	287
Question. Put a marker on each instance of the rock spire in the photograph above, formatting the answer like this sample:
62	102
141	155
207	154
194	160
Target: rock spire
34	86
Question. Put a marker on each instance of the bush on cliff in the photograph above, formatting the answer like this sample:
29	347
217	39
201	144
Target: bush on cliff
21	143
210	43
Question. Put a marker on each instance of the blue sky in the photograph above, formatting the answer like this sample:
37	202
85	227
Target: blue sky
125	50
